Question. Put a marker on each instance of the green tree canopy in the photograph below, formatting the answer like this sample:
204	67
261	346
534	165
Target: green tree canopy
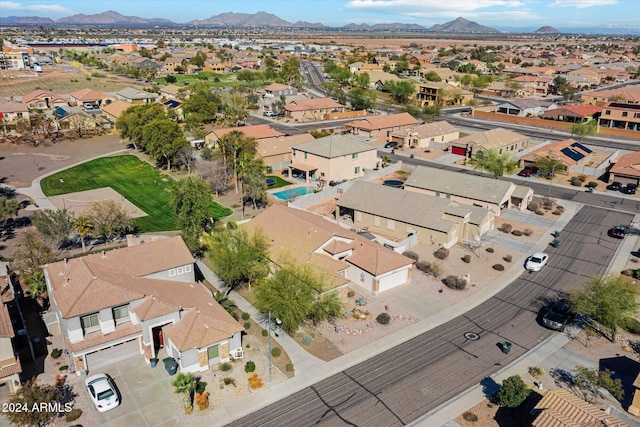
400	90
8	208
191	200
163	139
361	99
513	392
55	225
548	165
606	300
132	121
582	130
294	294
493	162
31	395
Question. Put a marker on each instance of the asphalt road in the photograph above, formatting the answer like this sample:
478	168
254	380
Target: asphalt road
402	384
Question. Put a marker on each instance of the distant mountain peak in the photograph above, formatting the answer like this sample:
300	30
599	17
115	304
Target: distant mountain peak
546	30
461	25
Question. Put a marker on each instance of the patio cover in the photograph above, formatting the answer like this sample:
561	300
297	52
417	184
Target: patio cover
303	167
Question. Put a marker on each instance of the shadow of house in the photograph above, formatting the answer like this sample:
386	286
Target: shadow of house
628	371
521	416
489	387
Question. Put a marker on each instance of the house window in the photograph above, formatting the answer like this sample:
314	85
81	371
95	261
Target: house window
180	270
19	115
322	174
172	272
376	221
121	314
90	323
294	152
354	156
187	268
607	112
437	194
391	224
624	114
358	216
212	352
357	169
305	156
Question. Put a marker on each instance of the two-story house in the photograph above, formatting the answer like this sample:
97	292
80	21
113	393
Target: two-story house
440	93
312	109
139	300
257	132
620	116
381	126
332	158
10	366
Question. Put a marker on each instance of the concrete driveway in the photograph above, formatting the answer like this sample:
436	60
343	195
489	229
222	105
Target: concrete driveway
147	397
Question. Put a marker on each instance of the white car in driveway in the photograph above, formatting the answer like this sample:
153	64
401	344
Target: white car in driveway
102	391
536	261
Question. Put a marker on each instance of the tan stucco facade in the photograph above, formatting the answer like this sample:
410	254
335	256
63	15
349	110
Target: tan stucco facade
338	168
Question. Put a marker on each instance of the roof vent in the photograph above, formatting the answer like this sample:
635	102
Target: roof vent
206	326
104	254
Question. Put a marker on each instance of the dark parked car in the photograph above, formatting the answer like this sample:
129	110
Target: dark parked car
618	232
528	171
614	186
557	316
391	144
629	189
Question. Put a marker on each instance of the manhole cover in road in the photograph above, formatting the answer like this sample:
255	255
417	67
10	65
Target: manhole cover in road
471	336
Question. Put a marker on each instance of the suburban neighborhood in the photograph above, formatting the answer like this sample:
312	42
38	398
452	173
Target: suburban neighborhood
233	222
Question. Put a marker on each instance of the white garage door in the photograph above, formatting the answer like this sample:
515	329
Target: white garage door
393	280
110	355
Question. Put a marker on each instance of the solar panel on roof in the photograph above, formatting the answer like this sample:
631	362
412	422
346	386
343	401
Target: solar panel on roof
573	155
582	147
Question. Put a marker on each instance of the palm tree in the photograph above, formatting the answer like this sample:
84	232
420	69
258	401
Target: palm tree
185	384
83	226
37	286
224	301
493	162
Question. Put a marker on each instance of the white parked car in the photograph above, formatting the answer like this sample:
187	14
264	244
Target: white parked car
536	261
102	391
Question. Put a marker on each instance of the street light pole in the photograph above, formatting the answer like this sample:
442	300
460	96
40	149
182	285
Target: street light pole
269	345
553	168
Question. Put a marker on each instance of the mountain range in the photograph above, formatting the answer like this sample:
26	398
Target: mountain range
268	20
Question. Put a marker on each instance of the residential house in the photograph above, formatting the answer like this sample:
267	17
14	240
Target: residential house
173	65
170	91
446	75
560	407
626	169
539	84
381	126
332	158
87	96
499	139
400	213
11	112
525	107
429	135
136	96
620	116
592	76
246	59
216	65
312	109
114	110
377	79
10	366
440	93
419	60
74	119
14	60
630	94
468	189
257	132
276	151
145	64
135	301
355	66
581	113
275	90
345	256
43	100
569	152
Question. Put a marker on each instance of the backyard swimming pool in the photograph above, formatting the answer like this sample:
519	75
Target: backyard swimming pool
287	195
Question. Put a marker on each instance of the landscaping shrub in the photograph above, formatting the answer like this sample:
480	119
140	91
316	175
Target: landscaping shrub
229	381
276	351
248	345
255	381
455	282
508	258
506	228
226	367
517	233
347	314
498	267
435	269
63	367
245	316
55	353
628	272
351	294
265	332
247	325
410	254
383	318
466	258
361	301
536	371
73	415
307	340
441	253
576	182
556	212
539	212
470	416
582	177
631	325
250	366
423	266
513	392
490	250
289	367
533	205
592	184
527	232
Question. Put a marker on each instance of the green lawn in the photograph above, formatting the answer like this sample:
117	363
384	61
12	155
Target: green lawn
279	182
139	182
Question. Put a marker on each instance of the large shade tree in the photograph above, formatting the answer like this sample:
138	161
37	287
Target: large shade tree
495	163
163	140
191	200
608	301
133	120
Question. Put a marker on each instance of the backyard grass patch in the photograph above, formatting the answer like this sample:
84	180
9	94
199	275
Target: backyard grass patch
279	182
139	182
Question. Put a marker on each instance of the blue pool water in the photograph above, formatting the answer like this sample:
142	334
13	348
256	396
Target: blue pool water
287	195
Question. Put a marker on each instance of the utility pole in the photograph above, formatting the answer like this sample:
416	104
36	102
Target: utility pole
269	345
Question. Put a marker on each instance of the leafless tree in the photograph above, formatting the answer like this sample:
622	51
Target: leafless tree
215	173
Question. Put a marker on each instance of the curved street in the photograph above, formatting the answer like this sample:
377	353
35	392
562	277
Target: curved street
401	385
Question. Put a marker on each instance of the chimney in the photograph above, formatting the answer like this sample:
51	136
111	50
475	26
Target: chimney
129	240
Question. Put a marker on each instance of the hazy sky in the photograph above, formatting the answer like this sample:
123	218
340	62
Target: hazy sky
562	14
